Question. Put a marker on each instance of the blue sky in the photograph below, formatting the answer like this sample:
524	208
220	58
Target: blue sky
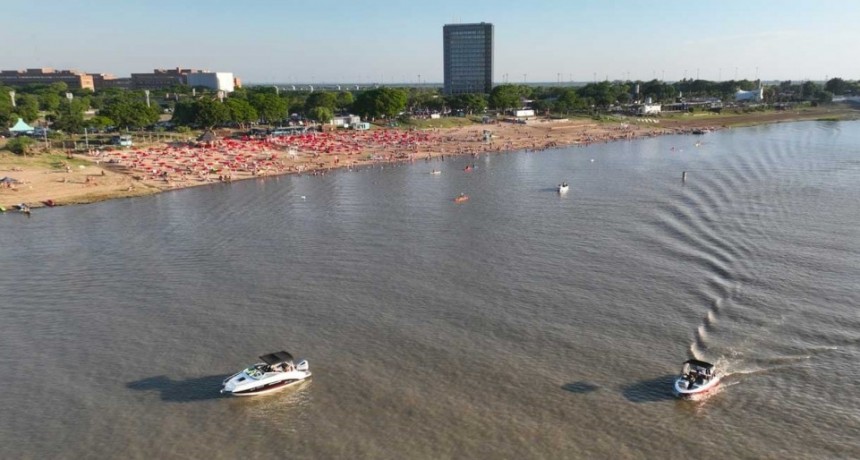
396	41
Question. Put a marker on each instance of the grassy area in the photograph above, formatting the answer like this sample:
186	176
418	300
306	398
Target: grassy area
39	160
444	122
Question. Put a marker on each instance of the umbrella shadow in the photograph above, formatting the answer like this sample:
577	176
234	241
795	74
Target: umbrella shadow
190	390
580	387
651	390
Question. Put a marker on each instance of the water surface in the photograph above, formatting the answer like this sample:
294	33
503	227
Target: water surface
521	324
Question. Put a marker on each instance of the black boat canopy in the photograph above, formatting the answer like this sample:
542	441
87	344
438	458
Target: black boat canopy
696	362
277	358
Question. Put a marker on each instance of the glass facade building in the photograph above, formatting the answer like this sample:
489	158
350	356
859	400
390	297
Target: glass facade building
468	55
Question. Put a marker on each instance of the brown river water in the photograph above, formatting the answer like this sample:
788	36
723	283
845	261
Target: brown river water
519	324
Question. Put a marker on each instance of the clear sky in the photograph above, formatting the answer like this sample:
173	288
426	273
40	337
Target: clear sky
396	41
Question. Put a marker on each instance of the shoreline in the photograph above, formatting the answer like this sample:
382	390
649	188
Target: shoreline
60	180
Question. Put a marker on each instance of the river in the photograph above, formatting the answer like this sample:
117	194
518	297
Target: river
519	324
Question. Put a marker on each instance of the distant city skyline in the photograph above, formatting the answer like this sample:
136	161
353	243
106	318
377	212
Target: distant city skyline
390	42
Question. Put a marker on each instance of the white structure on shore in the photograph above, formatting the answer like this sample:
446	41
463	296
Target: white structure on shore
345	121
755	95
219	81
650	109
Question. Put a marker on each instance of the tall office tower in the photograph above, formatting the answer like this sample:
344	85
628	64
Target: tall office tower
468	51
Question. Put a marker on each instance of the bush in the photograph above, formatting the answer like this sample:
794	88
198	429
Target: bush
182	129
20	145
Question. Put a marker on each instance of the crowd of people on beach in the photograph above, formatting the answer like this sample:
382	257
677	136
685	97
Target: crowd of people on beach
228	158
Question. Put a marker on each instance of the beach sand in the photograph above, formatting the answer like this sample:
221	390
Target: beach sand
97	176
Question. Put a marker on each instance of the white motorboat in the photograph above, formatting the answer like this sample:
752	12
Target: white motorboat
436	171
697	377
563	187
277	371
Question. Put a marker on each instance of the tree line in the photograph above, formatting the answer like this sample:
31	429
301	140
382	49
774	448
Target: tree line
199	107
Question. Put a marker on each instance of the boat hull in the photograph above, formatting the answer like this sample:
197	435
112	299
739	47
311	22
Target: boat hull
267	389
681	391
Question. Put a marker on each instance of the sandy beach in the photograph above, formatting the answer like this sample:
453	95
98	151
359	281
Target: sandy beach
64	179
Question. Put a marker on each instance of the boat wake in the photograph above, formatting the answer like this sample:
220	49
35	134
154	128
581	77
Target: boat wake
735	364
723	223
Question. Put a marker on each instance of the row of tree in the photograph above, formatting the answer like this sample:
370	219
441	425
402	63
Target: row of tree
602	95
199	107
267	105
115	108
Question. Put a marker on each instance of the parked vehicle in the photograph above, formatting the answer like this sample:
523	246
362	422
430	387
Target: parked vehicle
122	140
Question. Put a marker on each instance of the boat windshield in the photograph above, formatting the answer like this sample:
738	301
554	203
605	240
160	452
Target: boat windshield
256	371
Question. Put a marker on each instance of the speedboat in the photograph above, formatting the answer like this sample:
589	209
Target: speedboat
462	198
563	187
436	171
277	371
697	377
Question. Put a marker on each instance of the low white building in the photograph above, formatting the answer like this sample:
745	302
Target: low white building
524	113
219	81
650	109
345	121
755	95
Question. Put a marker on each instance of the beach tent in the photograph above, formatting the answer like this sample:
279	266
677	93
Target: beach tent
21	128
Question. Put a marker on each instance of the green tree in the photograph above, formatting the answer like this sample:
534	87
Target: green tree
381	102
567	101
658	91
420	99
837	86
469	103
49	102
211	113
822	96
436	103
321	99
345	99
269	106
27	107
809	89
184	113
241	111
99	122
321	114
129	110
601	94
507	97
58	87
70	116
5	108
